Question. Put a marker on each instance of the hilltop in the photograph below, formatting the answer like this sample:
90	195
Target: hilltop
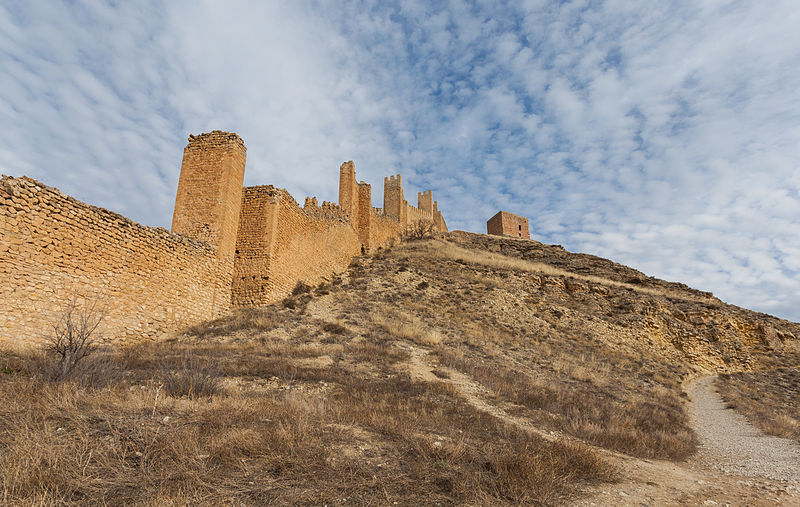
459	369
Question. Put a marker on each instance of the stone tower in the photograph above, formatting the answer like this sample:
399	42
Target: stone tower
348	189
425	201
508	224
209	199
393	200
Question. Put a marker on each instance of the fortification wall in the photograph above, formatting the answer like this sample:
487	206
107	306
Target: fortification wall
54	248
415	214
384	231
280	244
230	246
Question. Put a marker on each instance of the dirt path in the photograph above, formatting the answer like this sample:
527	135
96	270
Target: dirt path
735	465
731	445
475	394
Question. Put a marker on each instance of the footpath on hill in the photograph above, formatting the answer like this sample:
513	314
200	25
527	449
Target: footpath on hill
736	464
732	445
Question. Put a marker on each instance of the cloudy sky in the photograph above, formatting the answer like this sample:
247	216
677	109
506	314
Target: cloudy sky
663	135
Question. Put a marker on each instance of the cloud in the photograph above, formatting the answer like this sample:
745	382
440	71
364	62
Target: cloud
662	136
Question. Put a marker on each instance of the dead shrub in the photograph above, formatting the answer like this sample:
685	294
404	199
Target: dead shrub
72	339
334	328
421	229
301	288
191	377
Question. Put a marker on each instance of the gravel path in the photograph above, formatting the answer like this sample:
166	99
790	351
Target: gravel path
731	445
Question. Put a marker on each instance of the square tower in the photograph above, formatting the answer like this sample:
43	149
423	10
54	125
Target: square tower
393	200
209	200
508	224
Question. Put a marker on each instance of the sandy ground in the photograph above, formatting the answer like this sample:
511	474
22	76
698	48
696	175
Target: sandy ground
735	465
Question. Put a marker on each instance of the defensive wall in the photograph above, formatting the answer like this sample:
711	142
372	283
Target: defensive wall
230	246
54	248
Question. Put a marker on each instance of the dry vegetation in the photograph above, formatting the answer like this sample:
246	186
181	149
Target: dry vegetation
769	399
240	411
345	393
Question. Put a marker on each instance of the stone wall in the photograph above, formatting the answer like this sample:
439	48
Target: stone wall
54	248
229	246
281	244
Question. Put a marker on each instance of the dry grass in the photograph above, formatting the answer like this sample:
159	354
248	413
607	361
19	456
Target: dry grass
272	430
646	426
769	399
497	260
406	326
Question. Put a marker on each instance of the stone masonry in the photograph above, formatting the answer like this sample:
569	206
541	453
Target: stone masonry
230	246
54	248
508	224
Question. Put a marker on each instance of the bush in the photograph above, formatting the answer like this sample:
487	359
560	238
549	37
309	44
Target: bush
73	338
334	328
300	288
421	229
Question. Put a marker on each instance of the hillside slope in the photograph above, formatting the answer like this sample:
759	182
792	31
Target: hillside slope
463	369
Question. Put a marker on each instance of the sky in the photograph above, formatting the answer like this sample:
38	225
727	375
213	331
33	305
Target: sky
661	135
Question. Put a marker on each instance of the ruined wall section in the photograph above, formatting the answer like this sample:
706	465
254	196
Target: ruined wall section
281	244
54	248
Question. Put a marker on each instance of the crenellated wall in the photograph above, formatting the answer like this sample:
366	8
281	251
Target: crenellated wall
230	245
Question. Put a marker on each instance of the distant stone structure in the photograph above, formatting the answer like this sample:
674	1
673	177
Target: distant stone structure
508	224
230	246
